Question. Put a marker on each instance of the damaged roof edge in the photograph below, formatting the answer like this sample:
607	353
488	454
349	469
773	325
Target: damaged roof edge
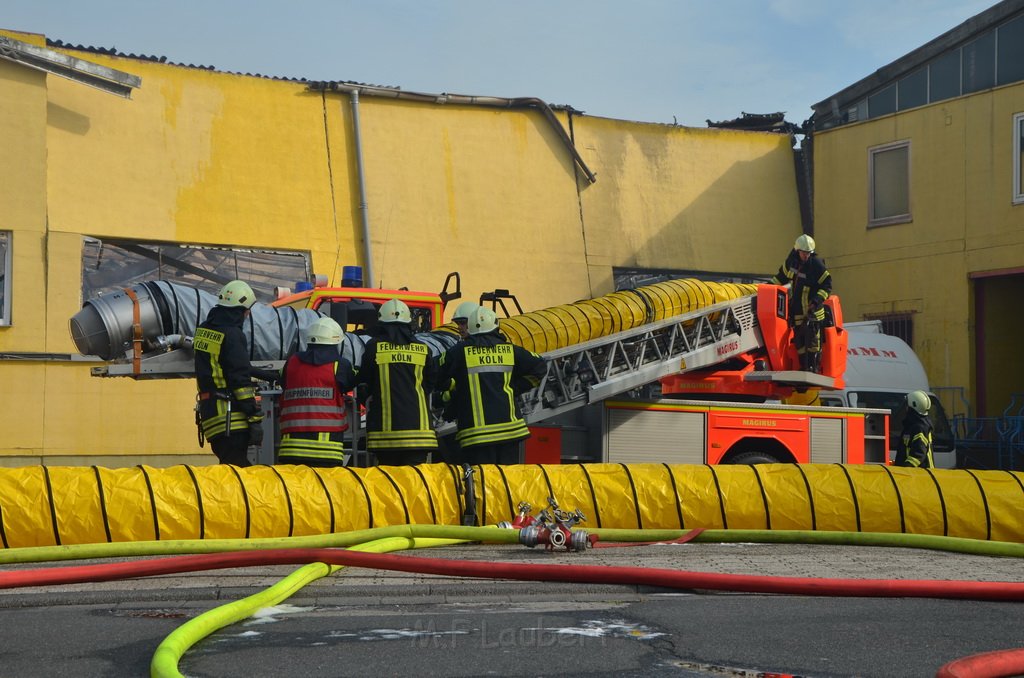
79	70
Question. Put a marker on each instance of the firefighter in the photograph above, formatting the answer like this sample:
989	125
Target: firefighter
399	373
485	373
313	415
461	317
812	285
915	446
227	412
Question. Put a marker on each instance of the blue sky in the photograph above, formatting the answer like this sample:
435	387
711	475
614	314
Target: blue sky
649	60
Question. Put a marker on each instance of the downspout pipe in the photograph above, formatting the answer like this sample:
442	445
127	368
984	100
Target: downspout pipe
364	211
467	100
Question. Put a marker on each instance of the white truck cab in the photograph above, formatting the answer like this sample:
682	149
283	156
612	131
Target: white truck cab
880	370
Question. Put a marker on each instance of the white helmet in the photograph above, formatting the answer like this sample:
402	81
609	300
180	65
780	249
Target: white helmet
464	310
324	331
804	243
919	402
482	321
394	311
236	293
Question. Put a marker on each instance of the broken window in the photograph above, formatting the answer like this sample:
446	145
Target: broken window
109	265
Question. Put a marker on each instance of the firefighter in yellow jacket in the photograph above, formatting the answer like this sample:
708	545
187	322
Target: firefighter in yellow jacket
227	412
314	414
399	372
487	373
812	285
915	445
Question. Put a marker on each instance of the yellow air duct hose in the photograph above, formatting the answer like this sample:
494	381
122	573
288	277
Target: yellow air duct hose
568	324
56	506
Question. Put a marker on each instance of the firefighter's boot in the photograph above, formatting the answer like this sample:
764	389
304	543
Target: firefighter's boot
814	362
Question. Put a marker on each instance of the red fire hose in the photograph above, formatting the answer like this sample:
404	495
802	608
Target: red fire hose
883	588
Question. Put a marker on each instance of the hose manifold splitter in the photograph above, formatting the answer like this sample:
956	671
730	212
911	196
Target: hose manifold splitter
552	527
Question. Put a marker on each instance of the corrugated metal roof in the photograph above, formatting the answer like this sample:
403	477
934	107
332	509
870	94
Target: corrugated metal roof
113	51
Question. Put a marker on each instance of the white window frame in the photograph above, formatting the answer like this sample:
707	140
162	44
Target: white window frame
896	218
1018	171
5	279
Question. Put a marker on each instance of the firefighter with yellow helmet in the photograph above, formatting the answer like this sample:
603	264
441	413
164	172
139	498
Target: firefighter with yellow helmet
313	407
486	372
812	285
915	444
227	412
399	372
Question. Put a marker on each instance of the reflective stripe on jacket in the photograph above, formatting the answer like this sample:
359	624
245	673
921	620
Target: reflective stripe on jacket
811	282
915	447
399	376
223	373
311	400
488	373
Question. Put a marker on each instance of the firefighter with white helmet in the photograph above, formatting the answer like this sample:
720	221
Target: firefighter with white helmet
399	372
313	407
915	444
227	412
485	373
812	285
461	316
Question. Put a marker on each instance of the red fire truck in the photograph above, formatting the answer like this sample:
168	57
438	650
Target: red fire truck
722	376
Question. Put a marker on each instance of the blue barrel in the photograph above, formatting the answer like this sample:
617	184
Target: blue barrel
351	276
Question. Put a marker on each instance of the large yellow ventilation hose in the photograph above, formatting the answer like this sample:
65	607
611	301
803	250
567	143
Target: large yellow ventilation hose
568	324
47	506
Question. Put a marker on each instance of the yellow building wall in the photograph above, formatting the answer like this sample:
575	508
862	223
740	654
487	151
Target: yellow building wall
686	198
23	198
203	157
487	192
964	222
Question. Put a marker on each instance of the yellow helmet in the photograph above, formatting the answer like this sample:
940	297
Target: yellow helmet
464	310
394	311
236	293
804	243
919	402
482	321
324	331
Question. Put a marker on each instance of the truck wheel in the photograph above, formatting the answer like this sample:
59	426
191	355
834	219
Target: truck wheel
753	458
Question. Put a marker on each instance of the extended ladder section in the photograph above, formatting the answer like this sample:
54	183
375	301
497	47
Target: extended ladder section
601	368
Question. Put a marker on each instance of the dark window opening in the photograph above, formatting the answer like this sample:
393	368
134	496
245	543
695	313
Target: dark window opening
896	324
1010	52
944	77
979	64
882	103
109	265
913	90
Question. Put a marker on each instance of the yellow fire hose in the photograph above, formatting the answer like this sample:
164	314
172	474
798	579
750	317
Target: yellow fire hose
55	506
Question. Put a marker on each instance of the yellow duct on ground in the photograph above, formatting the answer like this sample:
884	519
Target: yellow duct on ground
560	326
49	506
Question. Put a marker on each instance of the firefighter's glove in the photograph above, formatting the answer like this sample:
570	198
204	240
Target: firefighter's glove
255	431
249	407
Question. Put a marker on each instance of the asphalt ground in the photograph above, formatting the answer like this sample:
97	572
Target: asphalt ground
363	621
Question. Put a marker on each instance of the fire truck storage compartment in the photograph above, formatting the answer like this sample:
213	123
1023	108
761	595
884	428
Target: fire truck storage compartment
698	432
654	436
